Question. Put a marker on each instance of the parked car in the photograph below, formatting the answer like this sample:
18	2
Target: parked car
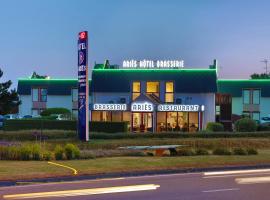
27	116
264	120
10	116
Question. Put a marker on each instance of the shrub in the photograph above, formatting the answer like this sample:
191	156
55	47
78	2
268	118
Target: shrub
263	128
214	127
222	151
202	152
51	111
245	125
36	152
251	151
25	152
239	151
47	155
108	127
58	152
72	151
185	152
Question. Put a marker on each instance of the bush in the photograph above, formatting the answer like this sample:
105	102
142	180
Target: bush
36	152
51	111
185	152
245	125
263	128
72	151
214	127
251	151
47	155
202	152
239	151
222	151
58	152
25	152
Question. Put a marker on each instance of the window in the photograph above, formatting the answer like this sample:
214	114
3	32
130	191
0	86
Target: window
35	94
136	90
74	93
169	97
152	88
43	95
251	96
256	97
39	94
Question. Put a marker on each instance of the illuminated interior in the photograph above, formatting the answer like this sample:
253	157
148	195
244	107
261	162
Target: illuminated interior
177	121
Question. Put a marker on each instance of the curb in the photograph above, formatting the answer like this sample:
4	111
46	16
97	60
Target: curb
131	174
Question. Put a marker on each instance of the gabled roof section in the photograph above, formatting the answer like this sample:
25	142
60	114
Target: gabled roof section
54	86
235	87
186	80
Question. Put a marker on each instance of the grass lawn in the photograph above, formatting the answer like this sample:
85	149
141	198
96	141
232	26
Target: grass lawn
14	170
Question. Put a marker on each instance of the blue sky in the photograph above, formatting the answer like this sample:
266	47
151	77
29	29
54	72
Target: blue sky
41	36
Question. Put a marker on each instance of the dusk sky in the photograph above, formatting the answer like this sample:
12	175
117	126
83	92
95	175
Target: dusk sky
41	36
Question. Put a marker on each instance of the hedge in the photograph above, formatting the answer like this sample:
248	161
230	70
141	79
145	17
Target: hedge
26	135
27	124
50	111
214	126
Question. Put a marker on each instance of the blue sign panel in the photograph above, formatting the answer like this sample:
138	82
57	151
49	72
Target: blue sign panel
83	87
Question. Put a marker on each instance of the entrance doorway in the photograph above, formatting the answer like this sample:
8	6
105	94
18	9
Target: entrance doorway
142	122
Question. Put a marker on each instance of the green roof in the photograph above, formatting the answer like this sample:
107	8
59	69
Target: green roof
235	87
186	80
54	86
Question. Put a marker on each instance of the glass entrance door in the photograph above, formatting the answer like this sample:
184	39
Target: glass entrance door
142	122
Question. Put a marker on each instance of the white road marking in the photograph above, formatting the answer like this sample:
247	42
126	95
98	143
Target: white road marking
221	190
83	192
235	175
253	180
37	184
236	172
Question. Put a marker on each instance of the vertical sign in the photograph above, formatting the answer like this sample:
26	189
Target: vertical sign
83	86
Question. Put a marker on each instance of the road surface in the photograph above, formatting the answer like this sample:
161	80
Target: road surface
226	185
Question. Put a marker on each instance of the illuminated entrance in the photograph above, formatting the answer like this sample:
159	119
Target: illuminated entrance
142	122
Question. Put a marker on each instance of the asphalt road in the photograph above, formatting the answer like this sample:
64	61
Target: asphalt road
227	185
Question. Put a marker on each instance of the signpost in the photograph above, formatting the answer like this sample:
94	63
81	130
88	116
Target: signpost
83	87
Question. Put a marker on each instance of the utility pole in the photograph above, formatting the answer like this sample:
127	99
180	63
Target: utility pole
265	61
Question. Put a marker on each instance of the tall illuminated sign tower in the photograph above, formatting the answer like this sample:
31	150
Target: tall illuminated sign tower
83	87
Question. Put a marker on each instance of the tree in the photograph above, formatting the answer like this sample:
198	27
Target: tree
9	99
260	76
37	76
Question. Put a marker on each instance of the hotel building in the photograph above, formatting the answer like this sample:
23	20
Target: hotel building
152	100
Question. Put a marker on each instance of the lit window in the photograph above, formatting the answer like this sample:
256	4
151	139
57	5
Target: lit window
136	90
169	95
152	88
169	87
